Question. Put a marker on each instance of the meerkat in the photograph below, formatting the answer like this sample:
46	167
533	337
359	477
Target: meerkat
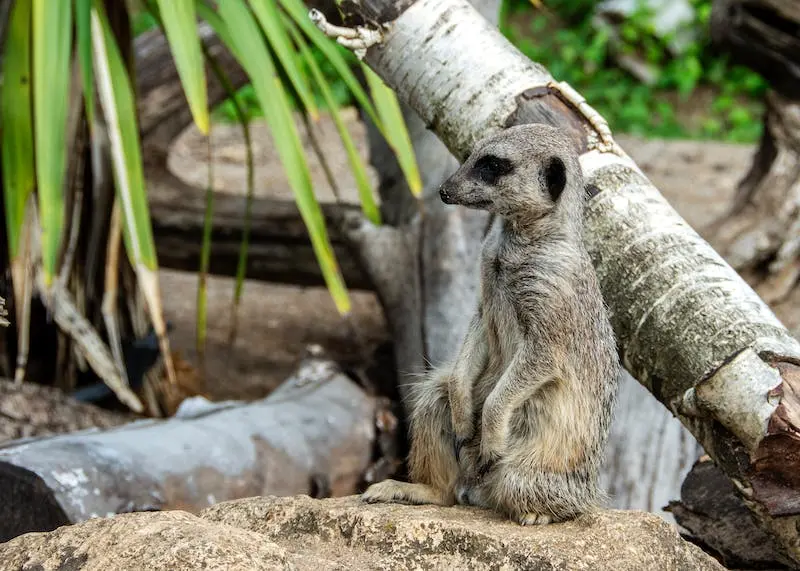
518	422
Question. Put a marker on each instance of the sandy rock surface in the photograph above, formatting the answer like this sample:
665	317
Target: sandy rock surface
343	533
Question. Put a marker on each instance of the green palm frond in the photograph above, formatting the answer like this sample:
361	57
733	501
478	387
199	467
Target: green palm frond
293	68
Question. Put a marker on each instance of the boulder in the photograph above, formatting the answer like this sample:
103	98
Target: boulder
343	533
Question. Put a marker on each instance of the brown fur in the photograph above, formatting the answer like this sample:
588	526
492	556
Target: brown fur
519	421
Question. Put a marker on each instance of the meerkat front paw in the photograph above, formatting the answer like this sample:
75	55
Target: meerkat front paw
533	519
385	491
407	493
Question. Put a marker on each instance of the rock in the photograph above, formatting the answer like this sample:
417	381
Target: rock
343	533
154	541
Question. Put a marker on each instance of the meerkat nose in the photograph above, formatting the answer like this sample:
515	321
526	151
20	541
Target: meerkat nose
443	194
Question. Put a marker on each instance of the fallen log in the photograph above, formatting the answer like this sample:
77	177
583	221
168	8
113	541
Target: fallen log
717	519
313	435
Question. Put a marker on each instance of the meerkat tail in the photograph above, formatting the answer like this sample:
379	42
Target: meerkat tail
405	493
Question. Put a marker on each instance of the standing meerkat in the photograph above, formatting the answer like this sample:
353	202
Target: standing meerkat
519	421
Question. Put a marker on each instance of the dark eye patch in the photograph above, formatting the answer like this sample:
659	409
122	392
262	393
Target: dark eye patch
554	177
489	168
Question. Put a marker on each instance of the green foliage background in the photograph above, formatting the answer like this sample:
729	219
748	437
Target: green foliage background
698	94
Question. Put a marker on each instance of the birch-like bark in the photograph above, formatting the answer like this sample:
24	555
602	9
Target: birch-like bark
688	327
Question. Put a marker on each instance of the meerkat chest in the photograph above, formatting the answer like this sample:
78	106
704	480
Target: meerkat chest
500	314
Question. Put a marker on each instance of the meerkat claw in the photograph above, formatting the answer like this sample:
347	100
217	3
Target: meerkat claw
533	519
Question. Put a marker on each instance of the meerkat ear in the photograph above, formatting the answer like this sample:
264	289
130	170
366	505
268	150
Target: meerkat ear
554	177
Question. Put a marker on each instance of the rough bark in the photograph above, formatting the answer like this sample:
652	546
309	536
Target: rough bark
763	35
717	518
760	235
313	435
688	327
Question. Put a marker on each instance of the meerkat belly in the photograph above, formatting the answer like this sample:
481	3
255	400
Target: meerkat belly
554	430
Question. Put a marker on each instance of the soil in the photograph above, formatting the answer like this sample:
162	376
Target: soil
277	322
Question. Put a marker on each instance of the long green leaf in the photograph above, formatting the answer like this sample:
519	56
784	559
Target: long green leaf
117	99
259	66
368	204
208	14
180	24
269	17
116	95
396	132
17	126
299	13
205	258
52	48
83	27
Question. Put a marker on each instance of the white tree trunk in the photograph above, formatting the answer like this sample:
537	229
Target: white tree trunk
688	327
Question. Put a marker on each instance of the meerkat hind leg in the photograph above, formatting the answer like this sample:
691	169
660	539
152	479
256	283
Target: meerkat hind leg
405	493
432	463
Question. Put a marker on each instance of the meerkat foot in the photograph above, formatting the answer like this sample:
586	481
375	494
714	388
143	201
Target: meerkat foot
533	519
393	491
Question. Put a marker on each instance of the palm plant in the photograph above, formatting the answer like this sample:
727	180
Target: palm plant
72	174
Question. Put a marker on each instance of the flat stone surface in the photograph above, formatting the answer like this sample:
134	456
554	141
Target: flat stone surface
344	533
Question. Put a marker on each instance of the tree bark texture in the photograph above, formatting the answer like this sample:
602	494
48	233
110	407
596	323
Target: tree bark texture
763	35
716	517
313	435
688	327
761	233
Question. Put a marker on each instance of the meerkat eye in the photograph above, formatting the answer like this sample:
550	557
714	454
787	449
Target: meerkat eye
554	177
490	168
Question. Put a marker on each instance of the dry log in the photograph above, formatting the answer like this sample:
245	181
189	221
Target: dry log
688	327
313	435
717	519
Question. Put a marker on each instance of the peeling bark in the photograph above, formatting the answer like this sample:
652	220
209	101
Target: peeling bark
314	433
716	517
681	314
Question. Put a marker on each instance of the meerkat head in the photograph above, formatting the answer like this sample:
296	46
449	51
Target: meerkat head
526	172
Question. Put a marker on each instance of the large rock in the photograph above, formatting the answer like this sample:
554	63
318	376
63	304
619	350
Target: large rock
343	533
